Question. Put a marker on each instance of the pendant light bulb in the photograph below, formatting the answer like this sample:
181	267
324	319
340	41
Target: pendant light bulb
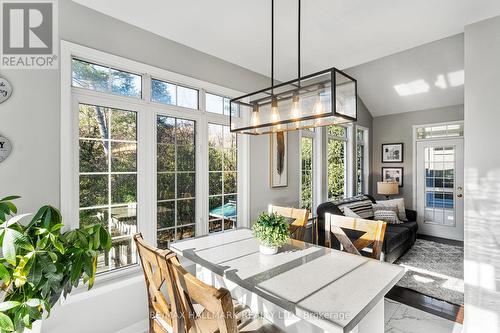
318	106
255	118
295	107
275	115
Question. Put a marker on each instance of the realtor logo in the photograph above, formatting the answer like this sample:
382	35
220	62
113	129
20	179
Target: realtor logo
29	37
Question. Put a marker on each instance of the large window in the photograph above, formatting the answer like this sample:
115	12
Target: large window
139	163
336	161
222	186
220	105
105	79
440	131
306	172
361	161
172	94
108	178
176	179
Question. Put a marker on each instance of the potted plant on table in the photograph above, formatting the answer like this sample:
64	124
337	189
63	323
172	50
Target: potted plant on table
39	263
272	232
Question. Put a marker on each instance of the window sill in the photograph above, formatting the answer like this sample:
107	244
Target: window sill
105	283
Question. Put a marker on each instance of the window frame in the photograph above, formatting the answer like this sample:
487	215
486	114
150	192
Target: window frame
147	111
225	123
415	140
366	157
313	136
348	159
177	86
111	68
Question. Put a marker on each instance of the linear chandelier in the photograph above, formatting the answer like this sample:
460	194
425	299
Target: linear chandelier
302	103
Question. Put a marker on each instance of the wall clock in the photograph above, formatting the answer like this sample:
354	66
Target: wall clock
5	90
5	148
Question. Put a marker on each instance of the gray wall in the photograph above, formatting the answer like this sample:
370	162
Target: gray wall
261	193
482	177
365	119
399	128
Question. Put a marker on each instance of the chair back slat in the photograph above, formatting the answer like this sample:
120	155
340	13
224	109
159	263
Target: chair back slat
217	302
373	233
298	226
156	275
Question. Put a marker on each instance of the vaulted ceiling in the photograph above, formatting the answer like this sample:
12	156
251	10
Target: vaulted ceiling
425	77
340	33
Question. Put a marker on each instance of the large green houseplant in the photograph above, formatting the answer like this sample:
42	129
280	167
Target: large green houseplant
272	232
39	263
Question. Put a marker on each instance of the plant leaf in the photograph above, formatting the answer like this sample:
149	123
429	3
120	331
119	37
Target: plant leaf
8	305
6	323
8	247
76	270
12	239
10	198
37	216
15	219
4	274
33	302
47	217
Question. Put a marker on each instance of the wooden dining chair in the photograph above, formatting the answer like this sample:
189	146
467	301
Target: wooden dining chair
180	303
373	234
158	281
298	226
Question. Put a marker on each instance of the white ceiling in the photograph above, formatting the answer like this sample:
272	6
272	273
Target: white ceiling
340	33
429	76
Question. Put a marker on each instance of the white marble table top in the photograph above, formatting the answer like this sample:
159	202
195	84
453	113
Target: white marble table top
321	285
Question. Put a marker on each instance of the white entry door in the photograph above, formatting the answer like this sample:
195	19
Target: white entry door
440	179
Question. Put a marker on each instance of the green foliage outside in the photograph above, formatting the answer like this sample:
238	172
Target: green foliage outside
336	166
99	78
336	163
38	263
306	196
271	230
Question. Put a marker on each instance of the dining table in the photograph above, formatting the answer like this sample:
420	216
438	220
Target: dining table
302	288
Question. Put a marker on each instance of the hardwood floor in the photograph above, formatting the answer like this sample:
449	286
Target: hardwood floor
426	303
441	240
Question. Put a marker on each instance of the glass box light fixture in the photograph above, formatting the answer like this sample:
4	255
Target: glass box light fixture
298	104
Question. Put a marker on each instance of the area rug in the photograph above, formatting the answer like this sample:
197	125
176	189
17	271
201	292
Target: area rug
434	269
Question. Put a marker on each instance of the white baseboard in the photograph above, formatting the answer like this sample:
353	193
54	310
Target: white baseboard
139	327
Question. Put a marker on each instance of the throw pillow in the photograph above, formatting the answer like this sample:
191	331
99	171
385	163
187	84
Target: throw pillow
386	213
361	205
400	202
349	213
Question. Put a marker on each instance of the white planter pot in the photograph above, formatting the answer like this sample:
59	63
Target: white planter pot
35	328
264	249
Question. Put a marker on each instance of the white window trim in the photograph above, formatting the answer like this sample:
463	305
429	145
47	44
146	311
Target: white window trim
313	136
366	166
348	151
414	154
147	112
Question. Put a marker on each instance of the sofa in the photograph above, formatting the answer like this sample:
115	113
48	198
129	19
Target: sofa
398	238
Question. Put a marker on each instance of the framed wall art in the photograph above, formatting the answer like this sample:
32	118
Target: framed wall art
392	152
390	174
279	159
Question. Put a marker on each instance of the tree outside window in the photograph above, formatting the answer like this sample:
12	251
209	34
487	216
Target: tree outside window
336	159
